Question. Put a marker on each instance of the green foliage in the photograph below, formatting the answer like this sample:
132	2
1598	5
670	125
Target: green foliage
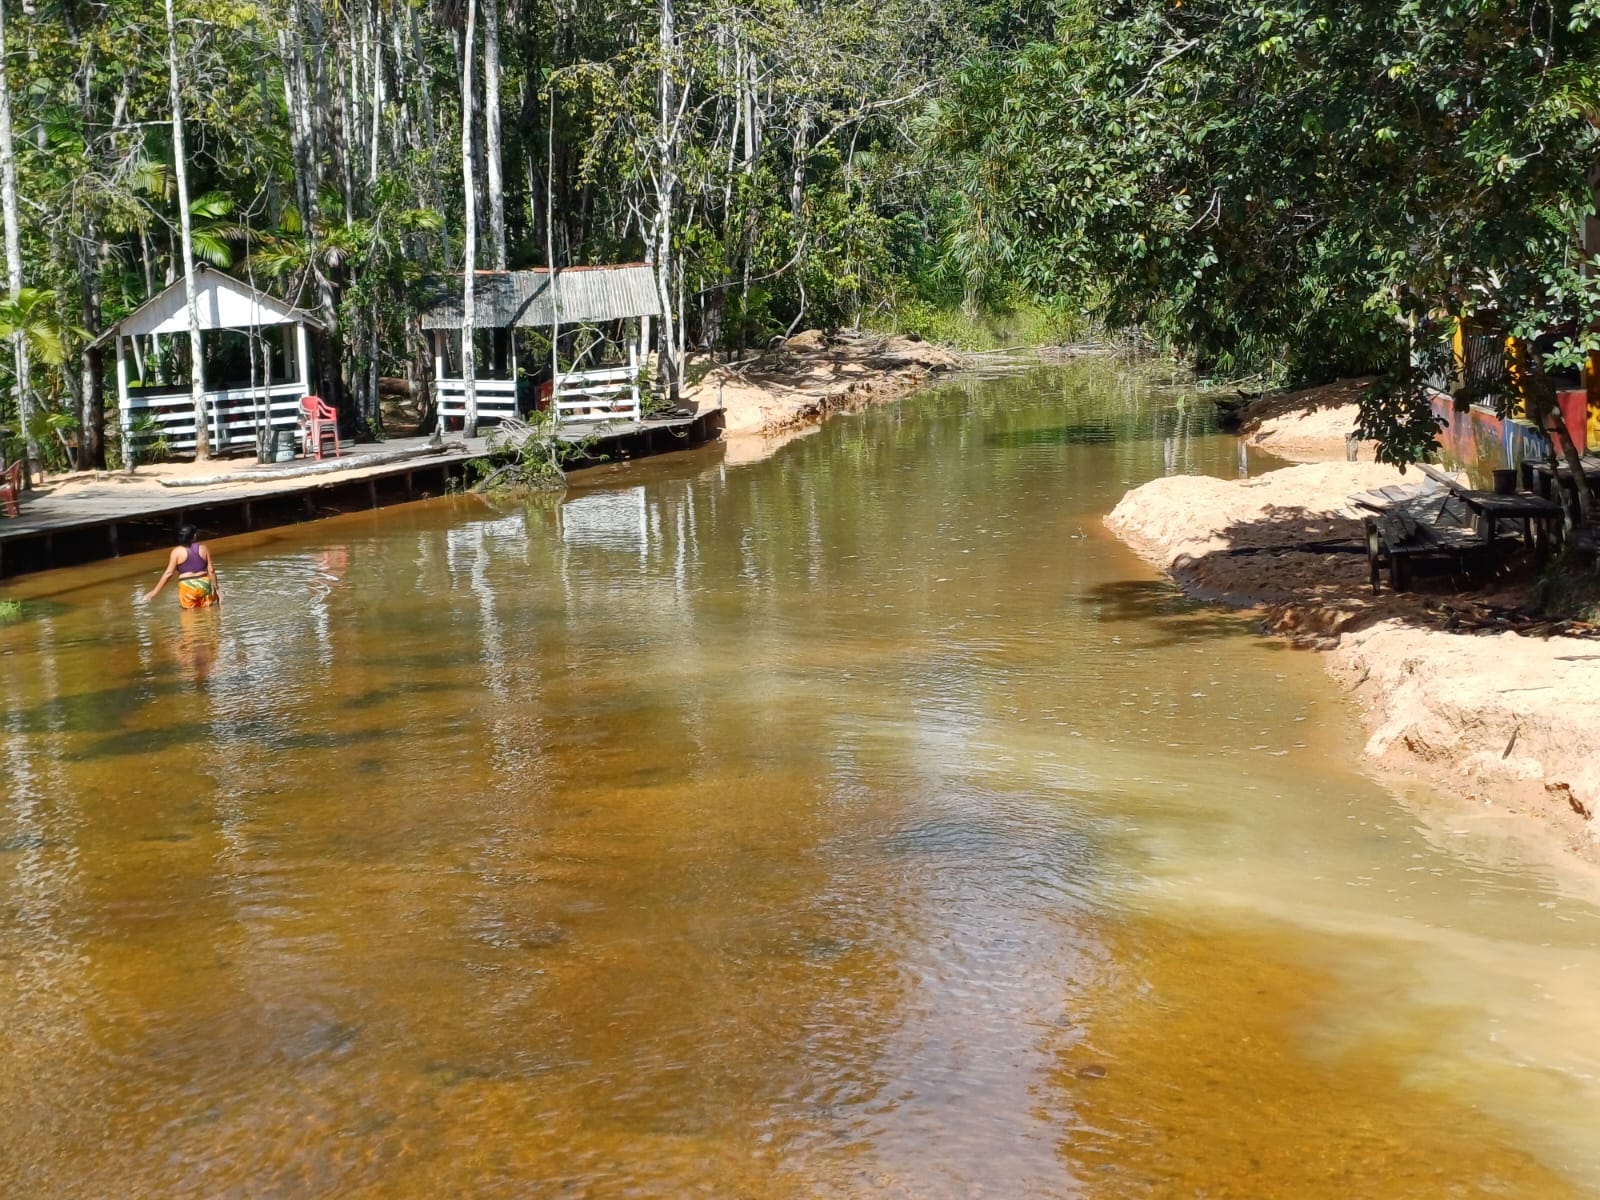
525	456
1569	588
1276	188
1020	324
148	442
31	312
800	194
11	612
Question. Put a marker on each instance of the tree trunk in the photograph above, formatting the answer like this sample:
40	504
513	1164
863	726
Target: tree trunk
91	253
666	186
197	387
1556	427
491	126
377	98
425	94
13	236
469	267
303	149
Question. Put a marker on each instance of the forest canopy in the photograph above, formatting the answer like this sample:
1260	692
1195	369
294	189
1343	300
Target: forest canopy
1289	191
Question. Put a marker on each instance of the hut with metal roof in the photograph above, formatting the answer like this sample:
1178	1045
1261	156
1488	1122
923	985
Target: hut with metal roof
253	378
586	387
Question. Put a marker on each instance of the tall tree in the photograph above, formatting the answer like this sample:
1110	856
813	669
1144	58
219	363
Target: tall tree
493	176
197	387
13	225
469	256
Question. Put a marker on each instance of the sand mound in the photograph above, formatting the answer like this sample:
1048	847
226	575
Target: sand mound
1508	721
814	374
1309	425
1498	719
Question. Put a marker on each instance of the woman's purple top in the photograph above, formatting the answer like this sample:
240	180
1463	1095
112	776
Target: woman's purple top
193	564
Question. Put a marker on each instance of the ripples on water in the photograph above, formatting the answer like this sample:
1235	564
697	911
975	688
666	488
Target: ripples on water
860	822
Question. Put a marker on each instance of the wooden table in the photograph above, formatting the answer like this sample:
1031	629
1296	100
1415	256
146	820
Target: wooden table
1557	484
1541	517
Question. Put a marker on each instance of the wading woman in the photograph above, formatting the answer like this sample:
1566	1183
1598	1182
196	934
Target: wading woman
197	576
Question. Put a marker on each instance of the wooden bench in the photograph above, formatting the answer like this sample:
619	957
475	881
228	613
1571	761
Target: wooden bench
1410	528
1557	484
1539	517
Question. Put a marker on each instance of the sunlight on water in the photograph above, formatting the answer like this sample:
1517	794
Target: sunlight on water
863	821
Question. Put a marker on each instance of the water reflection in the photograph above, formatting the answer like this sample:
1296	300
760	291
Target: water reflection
860	821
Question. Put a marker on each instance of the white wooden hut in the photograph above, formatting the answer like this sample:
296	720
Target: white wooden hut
577	298
256	364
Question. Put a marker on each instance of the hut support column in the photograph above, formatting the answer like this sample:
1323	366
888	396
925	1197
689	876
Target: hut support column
302	347
633	382
123	409
438	380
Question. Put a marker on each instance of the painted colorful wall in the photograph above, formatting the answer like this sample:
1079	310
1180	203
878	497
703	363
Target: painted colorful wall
1478	441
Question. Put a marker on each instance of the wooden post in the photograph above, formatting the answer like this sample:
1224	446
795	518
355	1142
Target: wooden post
111	536
123	405
633	383
302	347
438	380
511	361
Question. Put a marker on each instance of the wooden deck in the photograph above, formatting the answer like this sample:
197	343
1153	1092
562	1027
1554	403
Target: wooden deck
108	516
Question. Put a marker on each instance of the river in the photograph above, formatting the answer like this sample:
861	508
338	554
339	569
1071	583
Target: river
864	821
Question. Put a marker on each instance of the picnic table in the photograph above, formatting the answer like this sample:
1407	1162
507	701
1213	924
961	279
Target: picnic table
1555	483
1409	526
1540	516
1440	522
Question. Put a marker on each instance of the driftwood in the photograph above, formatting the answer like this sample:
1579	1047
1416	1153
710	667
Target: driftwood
1470	616
326	466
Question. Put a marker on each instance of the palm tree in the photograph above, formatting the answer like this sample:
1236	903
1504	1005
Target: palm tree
28	320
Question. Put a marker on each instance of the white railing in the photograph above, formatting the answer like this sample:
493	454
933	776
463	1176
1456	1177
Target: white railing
497	398
232	415
609	394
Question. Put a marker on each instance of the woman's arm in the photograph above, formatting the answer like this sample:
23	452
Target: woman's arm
172	565
211	573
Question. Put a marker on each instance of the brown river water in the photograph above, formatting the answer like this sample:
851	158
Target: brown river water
865	821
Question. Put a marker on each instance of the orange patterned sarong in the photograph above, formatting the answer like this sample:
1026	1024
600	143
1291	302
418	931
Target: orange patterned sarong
196	593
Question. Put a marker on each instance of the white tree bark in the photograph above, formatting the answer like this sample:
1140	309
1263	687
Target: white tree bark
378	97
303	144
666	181
197	386
469	186
491	128
8	201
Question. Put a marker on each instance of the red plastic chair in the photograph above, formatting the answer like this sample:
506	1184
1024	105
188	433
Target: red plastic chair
321	423
11	488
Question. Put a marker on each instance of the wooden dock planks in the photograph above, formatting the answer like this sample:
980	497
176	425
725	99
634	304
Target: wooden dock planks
105	510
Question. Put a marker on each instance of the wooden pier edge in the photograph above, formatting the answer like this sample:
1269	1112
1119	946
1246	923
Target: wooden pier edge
147	521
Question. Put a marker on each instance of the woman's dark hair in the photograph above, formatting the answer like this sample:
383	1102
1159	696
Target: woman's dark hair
187	535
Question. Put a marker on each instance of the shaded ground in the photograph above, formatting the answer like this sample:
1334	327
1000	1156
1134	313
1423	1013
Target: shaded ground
1449	686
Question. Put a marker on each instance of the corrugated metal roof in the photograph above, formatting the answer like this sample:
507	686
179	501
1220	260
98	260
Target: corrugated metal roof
583	294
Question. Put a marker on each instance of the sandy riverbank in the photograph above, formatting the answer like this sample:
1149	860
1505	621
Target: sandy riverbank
811	376
1458	688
